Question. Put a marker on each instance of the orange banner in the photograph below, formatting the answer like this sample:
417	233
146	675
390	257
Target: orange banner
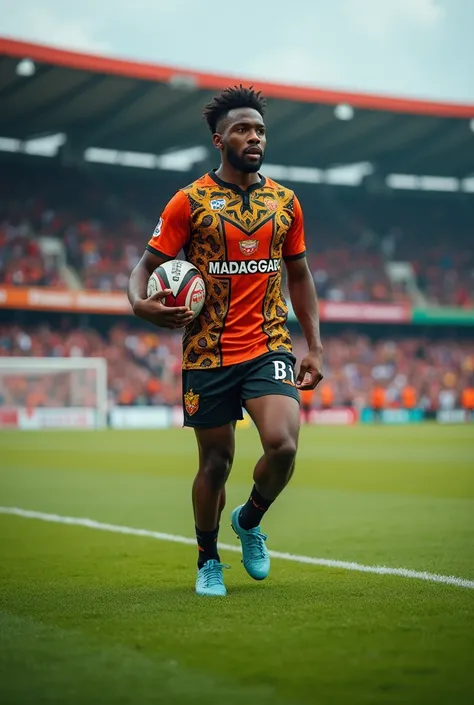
43	299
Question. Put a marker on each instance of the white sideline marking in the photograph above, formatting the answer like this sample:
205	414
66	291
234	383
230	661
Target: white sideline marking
328	563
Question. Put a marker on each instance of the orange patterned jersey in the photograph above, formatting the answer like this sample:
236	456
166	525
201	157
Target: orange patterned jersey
237	239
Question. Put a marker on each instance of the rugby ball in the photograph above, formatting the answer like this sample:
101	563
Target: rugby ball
185	281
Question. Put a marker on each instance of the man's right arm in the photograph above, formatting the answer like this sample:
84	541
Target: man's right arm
169	237
151	308
137	285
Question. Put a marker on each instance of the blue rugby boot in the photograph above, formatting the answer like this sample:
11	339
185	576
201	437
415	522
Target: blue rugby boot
210	580
255	555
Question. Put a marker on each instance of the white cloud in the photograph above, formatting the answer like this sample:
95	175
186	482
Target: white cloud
378	19
424	12
301	65
54	26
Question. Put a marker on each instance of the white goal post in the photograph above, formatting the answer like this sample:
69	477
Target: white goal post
53	392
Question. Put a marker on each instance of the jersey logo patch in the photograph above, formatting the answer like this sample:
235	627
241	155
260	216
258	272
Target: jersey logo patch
248	247
191	402
270	203
157	230
217	204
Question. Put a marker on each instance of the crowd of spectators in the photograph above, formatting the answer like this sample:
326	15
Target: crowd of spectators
106	224
21	260
144	367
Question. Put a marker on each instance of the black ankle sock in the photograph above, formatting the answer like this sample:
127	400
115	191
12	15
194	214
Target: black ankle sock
207	546
252	512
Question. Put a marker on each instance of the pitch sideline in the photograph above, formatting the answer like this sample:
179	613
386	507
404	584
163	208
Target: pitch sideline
159	536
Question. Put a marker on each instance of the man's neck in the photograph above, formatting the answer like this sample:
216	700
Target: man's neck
241	179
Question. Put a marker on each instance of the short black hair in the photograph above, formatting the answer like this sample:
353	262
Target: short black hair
230	99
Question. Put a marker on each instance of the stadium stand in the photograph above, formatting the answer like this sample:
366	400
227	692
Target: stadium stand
144	367
102	226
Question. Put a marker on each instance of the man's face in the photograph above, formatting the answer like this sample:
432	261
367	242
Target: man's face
242	140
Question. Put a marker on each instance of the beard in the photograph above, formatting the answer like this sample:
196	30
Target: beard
240	163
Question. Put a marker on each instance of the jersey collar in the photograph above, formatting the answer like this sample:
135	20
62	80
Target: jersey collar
234	187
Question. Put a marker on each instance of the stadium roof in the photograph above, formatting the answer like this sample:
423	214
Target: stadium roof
136	107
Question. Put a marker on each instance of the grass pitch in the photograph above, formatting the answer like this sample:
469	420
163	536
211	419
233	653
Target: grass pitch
101	617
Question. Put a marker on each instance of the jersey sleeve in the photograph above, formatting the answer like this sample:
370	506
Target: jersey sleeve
173	229
294	246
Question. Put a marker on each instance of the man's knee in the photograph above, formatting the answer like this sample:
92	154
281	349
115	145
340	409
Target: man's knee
281	449
216	465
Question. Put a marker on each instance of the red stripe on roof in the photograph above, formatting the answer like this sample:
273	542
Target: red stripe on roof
211	81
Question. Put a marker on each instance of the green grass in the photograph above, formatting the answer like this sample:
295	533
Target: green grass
90	616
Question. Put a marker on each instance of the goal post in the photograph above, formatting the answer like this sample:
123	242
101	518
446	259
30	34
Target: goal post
53	392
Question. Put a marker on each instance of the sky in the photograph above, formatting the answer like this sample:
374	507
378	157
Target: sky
414	48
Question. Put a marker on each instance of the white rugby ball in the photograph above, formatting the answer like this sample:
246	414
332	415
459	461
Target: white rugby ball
185	281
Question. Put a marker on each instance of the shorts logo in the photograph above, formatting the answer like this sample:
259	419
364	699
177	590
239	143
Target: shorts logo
248	247
271	204
217	204
157	230
282	371
191	402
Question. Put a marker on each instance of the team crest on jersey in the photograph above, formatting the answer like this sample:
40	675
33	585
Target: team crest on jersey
270	203
191	402
248	247
157	230
217	204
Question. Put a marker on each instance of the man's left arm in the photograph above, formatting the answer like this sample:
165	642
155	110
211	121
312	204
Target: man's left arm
305	305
